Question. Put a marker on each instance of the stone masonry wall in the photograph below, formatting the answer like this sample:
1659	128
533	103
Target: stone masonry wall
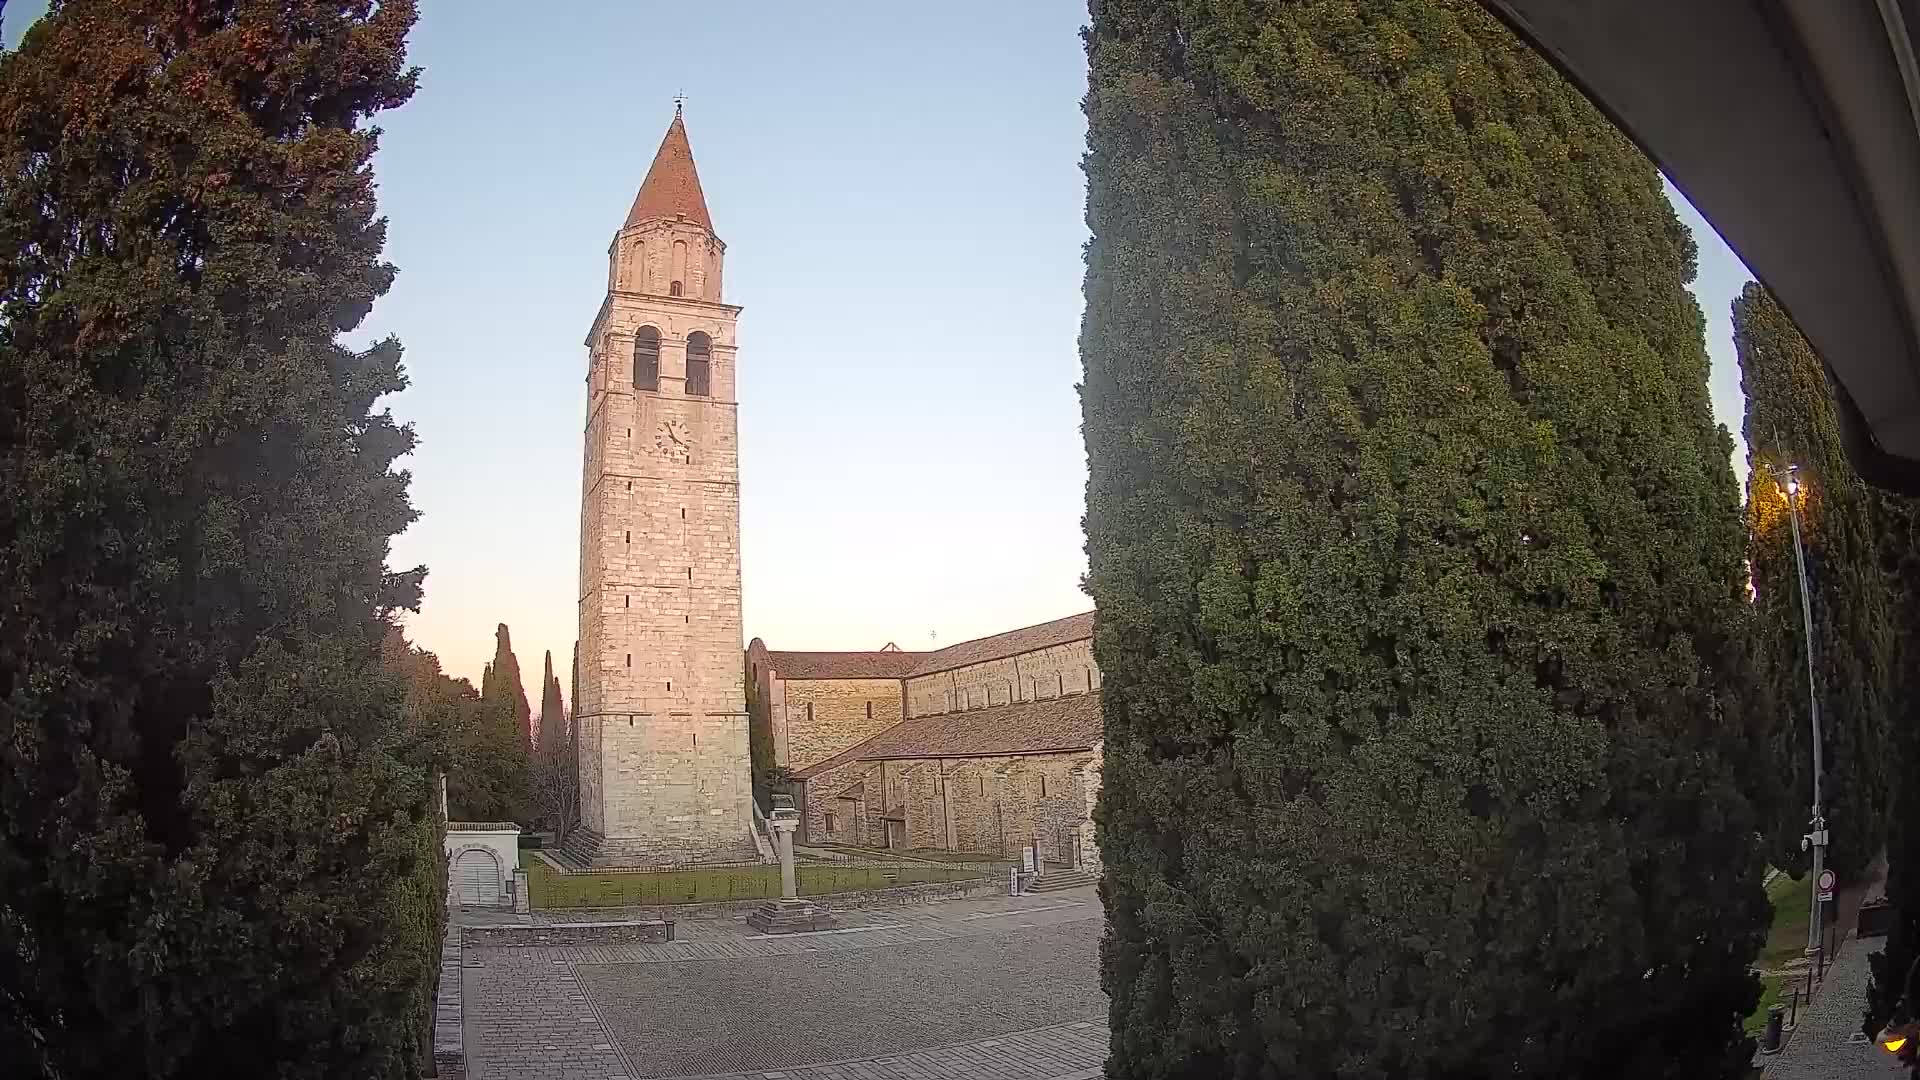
662	705
1030	676
818	718
991	805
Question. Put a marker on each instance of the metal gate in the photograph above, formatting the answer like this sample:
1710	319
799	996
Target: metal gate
477	879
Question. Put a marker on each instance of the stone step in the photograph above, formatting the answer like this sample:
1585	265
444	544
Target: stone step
1057	880
790	916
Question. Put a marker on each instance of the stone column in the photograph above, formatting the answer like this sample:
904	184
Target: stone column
789	914
783	836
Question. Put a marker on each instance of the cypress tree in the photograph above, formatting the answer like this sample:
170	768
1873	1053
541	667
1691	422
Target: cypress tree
1790	420
554	787
553	712
1418	558
213	815
507	684
490	776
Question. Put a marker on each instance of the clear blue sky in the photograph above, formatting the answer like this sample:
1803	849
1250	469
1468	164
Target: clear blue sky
900	192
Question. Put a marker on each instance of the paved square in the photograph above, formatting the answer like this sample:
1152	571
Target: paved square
993	989
721	1016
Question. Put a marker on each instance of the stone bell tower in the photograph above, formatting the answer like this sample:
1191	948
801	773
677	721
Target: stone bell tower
664	774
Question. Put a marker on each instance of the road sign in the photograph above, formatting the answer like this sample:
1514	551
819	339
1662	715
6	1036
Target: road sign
1826	881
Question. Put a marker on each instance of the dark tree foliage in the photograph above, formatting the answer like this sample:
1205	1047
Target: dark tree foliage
554	779
491	769
760	748
1418	557
215	823
1790	420
553	712
1899	532
507	686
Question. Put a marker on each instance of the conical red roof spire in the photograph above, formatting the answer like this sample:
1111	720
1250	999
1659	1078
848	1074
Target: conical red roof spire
672	185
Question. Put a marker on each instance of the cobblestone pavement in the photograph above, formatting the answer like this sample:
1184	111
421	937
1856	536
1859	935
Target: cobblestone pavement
532	1024
1004	989
1827	1044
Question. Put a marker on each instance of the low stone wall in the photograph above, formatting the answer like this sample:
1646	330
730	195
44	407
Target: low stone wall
899	896
449	1038
560	935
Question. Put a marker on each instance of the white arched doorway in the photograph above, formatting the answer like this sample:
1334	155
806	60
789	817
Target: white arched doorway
477	878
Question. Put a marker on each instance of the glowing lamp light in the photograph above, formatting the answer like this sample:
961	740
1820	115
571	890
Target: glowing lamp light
1898	1039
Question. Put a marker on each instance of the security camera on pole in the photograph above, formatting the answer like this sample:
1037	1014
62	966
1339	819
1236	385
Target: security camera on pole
1815	841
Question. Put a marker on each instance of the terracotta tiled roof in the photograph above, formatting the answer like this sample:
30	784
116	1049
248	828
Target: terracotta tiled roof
672	186
1011	643
842	665
1024	727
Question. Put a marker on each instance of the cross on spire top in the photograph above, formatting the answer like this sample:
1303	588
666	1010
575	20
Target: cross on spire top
679	100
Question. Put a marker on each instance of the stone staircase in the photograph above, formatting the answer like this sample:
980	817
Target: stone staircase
1059	879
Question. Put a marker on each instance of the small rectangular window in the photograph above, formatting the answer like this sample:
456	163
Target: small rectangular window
629	536
689	573
869	710
683	513
629	485
1043	785
669	685
626	601
809	712
629	659
830	826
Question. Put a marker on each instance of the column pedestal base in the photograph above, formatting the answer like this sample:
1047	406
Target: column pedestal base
788	916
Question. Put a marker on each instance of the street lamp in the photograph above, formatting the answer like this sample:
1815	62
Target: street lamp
1816	839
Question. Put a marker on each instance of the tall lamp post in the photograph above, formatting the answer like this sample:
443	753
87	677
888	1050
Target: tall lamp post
1816	839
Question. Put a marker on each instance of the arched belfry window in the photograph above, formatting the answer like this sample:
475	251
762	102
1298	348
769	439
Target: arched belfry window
675	289
646	359
699	365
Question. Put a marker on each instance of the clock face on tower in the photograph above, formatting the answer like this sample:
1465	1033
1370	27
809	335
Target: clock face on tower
671	440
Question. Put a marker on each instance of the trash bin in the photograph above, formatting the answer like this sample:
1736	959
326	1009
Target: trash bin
1770	1038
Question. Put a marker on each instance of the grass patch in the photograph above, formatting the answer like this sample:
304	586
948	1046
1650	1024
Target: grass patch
1773	989
1787	935
548	889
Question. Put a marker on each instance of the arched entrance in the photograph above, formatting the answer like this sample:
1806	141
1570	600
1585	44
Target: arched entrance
476	878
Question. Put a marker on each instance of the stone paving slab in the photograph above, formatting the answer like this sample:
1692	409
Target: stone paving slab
730	942
534	1024
1062	1052
782	1012
928	976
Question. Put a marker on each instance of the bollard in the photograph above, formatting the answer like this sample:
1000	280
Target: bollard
1770	1038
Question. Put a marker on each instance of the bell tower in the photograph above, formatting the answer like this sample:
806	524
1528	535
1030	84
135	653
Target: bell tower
664	774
